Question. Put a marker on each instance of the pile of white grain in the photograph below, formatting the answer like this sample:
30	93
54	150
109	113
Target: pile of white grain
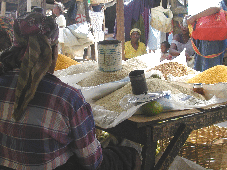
84	66
111	101
98	77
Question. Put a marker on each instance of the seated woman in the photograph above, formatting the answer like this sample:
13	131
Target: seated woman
134	47
164	51
45	123
182	41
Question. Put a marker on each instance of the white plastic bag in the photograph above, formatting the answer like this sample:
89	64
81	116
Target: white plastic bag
161	19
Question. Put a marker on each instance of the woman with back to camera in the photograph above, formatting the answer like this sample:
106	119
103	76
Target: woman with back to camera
45	123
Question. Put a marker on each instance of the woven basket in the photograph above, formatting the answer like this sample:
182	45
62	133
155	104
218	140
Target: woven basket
200	147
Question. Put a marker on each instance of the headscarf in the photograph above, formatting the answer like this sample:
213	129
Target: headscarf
135	30
34	35
60	7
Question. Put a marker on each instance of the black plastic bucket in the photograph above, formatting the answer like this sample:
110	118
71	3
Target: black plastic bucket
138	82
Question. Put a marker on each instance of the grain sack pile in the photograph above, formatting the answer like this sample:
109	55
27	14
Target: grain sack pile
99	77
153	84
82	67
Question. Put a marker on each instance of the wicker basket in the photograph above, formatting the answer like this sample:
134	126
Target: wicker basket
200	147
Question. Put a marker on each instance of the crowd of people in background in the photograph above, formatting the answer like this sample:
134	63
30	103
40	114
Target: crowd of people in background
183	40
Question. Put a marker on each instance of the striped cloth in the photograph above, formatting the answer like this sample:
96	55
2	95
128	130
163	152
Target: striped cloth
56	124
6	24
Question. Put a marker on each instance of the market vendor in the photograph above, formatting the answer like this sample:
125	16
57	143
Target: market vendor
182	41
134	47
45	123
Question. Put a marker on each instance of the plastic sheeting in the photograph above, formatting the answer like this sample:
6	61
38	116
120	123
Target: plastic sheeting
106	119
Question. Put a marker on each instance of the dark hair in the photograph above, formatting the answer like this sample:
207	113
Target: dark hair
166	43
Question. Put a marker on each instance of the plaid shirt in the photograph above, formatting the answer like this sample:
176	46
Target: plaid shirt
56	124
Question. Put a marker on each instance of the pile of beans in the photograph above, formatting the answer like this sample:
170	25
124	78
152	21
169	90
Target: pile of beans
173	68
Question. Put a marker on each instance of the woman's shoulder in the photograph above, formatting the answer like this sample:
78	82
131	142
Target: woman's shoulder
142	44
128	43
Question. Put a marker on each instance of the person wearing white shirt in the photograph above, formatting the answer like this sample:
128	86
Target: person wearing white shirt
58	10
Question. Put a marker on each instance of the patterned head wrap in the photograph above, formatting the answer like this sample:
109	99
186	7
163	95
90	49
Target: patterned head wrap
135	30
34	34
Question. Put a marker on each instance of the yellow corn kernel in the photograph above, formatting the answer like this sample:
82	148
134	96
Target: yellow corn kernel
64	62
216	74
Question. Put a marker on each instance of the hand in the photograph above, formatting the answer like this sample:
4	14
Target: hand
188	57
191	20
169	57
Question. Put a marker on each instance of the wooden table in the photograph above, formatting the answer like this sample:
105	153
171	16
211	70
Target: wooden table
178	125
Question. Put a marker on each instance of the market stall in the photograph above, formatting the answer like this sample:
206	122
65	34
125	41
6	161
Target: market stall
118	111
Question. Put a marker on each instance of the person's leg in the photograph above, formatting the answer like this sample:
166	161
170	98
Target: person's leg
121	158
4	168
114	157
71	164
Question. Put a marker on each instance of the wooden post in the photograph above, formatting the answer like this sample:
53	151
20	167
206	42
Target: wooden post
43	5
120	25
3	8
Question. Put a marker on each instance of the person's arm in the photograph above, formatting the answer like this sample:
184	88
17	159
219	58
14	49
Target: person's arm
82	132
209	11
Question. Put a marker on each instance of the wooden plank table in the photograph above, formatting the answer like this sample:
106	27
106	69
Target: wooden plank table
178	124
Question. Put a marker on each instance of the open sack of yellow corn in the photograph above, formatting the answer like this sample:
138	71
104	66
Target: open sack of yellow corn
213	80
64	62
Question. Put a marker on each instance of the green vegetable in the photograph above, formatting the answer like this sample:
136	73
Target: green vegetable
155	76
152	108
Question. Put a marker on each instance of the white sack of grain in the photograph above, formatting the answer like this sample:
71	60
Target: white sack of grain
93	92
72	80
107	119
153	59
97	92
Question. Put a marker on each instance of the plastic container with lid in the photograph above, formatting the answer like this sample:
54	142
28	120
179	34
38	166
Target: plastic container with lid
198	88
138	82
